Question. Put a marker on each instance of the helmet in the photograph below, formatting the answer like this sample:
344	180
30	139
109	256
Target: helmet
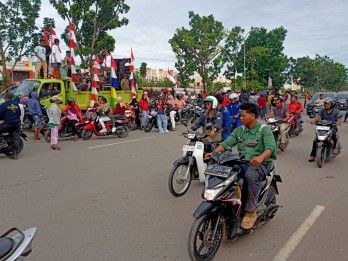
69	100
233	96
330	101
262	94
213	100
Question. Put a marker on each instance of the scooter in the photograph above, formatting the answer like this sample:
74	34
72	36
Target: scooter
220	214
190	166
6	146
324	142
274	124
295	130
93	127
15	244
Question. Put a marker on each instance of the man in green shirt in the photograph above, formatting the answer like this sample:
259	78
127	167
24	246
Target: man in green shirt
260	156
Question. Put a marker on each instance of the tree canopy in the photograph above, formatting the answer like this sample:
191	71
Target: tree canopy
198	49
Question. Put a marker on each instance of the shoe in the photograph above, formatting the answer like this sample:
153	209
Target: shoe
113	129
249	220
335	151
172	129
283	146
166	131
311	159
13	156
103	131
76	137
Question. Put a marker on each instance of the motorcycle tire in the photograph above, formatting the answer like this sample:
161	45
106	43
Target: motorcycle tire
148	127
176	178
124	132
202	230
321	157
271	202
21	146
185	118
86	134
48	136
79	131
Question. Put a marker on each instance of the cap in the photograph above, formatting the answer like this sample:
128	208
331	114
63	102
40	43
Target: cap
55	97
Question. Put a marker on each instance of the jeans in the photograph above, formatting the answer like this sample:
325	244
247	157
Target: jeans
144	118
262	112
162	119
253	176
102	119
282	128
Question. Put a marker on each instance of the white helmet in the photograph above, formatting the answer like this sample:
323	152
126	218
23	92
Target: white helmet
233	96
213	100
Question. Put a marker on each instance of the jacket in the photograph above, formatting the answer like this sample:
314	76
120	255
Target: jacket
54	114
34	105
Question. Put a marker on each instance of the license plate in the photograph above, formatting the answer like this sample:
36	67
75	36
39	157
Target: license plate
217	170
188	148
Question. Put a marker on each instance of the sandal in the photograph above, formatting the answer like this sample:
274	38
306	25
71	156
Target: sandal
56	148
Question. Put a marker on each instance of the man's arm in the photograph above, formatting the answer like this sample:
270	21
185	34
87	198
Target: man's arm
287	115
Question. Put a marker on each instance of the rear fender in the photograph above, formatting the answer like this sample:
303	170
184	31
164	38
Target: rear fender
182	161
206	207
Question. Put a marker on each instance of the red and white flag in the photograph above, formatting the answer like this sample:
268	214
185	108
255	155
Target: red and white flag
105	65
53	36
131	77
95	82
72	54
47	41
171	77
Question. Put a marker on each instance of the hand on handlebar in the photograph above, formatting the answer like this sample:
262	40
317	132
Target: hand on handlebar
207	156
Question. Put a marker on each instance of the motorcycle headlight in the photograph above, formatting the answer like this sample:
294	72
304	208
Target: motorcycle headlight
210	194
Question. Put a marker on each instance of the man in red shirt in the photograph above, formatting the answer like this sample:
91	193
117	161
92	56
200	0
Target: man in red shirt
296	108
261	101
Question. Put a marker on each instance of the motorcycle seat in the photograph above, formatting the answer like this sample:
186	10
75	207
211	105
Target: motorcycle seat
6	245
119	117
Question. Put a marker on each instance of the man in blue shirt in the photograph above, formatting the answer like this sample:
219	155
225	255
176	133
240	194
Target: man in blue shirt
226	119
328	113
234	109
10	113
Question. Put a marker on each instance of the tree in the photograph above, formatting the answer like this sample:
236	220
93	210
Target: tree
92	19
198	49
143	70
17	24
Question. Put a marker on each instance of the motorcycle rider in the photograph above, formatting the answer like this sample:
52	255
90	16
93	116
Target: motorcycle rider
260	156
106	112
74	115
328	113
281	113
320	101
179	104
226	119
295	107
233	107
10	113
210	120
35	111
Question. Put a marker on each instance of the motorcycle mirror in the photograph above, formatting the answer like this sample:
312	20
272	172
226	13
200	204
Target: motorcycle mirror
251	143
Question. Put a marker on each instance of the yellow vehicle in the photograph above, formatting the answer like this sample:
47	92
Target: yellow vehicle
46	88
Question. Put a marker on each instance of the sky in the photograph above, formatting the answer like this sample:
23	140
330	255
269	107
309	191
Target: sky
314	26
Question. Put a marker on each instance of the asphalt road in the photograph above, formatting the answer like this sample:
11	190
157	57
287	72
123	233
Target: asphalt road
107	199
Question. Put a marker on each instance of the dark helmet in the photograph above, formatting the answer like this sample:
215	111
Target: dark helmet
69	100
102	98
199	95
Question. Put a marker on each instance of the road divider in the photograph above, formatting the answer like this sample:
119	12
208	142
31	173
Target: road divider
122	142
296	238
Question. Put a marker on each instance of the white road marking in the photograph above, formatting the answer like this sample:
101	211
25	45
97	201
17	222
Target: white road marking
127	141
296	238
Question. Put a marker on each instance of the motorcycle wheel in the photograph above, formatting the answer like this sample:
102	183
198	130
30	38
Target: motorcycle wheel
21	146
201	245
79	131
277	140
176	183
124	132
48	136
148	127
185	118
27	125
87	134
321	157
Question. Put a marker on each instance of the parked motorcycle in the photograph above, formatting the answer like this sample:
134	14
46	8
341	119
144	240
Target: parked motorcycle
295	130
6	148
93	127
190	166
274	124
198	111
151	121
324	142
15	244
219	216
29	122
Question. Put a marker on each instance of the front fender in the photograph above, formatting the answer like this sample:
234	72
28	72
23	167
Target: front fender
88	126
320	144
181	161
206	207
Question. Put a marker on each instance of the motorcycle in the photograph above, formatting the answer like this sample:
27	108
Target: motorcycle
185	114
198	111
315	111
66	130
92	127
29	122
295	130
190	166
324	142
128	114
151	121
274	124
219	216
15	244
6	148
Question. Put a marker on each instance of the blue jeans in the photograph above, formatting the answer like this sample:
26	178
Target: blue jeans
262	112
144	118
162	118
